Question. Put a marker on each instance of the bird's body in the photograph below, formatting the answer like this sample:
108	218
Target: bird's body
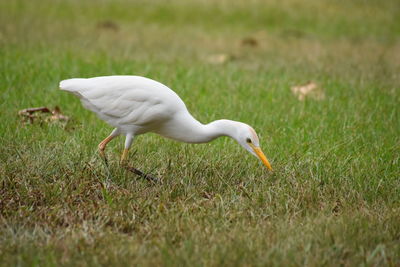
130	103
136	105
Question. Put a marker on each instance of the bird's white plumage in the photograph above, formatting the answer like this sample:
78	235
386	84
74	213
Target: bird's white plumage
135	105
127	102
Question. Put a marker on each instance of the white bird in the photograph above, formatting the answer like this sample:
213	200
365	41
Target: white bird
136	105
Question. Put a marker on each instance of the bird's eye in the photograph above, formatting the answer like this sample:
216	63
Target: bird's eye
248	140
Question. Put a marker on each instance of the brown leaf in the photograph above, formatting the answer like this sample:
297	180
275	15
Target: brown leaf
42	114
249	41
33	110
219	58
207	195
108	25
308	90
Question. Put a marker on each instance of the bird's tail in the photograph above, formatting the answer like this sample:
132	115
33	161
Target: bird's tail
72	85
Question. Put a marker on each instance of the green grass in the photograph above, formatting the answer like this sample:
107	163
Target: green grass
333	199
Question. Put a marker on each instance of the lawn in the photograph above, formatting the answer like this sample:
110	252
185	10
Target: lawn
333	198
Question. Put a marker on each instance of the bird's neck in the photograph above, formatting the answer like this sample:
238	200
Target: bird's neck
219	128
190	130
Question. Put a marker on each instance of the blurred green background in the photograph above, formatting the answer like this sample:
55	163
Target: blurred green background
333	198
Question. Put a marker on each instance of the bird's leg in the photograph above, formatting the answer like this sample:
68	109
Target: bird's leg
103	144
128	142
124	156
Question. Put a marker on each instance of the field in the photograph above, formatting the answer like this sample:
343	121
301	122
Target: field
333	198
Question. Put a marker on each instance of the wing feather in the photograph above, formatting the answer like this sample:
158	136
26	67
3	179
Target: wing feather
125	99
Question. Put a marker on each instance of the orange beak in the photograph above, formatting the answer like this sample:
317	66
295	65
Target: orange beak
262	157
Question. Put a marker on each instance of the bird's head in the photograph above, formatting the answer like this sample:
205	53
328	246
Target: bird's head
247	138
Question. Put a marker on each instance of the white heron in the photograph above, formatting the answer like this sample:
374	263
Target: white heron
136	105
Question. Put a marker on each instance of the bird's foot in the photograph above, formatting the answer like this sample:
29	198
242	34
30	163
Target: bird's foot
141	174
103	156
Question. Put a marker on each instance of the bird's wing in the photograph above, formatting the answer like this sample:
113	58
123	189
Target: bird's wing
125	99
